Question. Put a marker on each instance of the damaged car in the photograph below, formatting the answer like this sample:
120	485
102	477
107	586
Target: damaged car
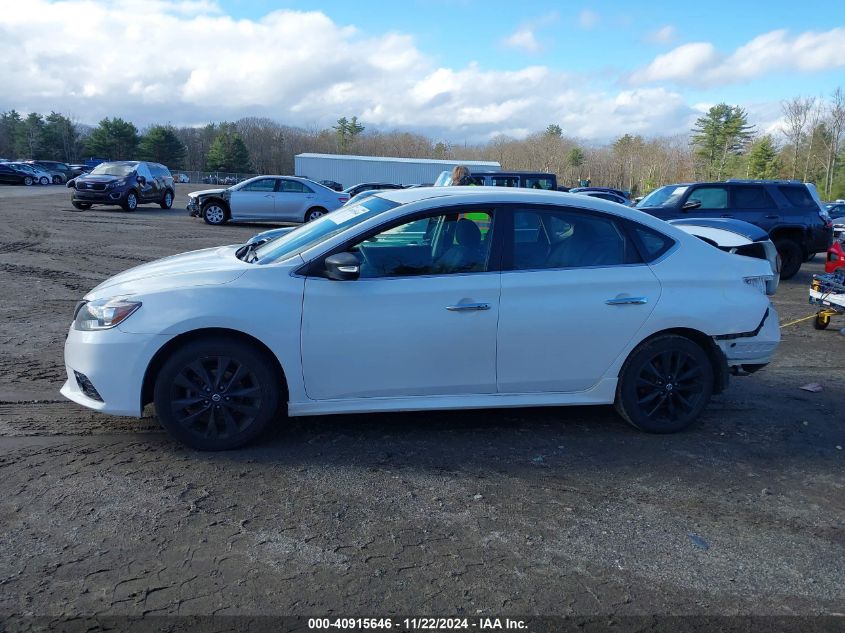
427	299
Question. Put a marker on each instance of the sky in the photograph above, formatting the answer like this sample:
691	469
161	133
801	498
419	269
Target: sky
462	71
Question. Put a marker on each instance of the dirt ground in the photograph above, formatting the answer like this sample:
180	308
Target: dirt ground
541	511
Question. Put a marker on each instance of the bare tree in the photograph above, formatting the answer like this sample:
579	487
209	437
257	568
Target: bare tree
835	123
796	111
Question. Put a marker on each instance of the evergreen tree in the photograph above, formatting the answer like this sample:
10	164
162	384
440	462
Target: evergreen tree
30	137
161	145
61	138
718	136
10	129
346	131
763	162
113	139
554	131
228	151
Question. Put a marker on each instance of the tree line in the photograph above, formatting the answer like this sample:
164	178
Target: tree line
722	144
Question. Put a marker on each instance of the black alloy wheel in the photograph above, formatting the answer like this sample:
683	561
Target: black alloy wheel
665	384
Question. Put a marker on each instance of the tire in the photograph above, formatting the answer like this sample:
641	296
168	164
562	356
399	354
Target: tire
821	321
27	180
44	180
195	394
215	213
791	257
130	202
314	212
57	180
82	206
665	384
166	200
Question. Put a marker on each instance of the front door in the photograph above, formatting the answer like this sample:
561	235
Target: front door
420	320
574	293
147	190
254	201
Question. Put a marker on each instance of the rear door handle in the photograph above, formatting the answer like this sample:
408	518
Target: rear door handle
467	307
624	301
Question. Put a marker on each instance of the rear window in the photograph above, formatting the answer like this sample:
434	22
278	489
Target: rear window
652	244
798	196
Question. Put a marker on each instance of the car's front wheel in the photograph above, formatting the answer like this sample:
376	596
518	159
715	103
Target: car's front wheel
166	200
27	180
216	394
665	384
57	180
130	202
214	213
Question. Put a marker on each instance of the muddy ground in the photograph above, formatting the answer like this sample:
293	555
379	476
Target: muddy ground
538	511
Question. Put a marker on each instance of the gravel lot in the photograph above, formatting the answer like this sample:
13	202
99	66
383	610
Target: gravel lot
539	511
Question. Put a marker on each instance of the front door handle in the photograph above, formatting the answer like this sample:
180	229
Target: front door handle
467	307
624	301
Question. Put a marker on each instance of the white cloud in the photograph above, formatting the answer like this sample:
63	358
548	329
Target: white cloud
587	19
523	38
702	64
663	35
191	63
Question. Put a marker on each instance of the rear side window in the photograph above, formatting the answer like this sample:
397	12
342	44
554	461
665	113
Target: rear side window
752	198
652	244
535	182
294	186
505	181
798	196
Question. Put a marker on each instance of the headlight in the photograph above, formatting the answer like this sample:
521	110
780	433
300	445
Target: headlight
758	282
113	184
103	314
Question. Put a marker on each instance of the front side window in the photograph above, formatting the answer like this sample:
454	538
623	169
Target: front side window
567	238
710	197
266	185
441	244
505	181
144	171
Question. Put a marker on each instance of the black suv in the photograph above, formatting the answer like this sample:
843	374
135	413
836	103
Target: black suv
785	209
126	182
56	167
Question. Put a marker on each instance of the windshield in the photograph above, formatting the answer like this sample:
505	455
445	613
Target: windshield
113	169
316	231
664	197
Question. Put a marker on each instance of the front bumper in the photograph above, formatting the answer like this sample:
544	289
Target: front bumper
101	197
114	362
193	206
747	352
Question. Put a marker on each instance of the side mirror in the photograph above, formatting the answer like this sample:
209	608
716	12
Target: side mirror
142	180
71	183
691	204
343	267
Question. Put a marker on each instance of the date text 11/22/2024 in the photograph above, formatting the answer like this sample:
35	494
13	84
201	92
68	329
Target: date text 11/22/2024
417	624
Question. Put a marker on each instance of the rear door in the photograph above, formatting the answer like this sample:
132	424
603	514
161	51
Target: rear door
752	203
256	200
574	293
293	200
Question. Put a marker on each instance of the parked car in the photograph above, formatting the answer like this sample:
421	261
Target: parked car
39	175
12	175
80	169
362	196
523	179
271	198
738	238
181	178
127	183
787	210
618	192
835	257
425	299
331	184
604	195
836	211
370	186
65	171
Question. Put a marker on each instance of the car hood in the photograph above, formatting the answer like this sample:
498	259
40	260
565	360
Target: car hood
206	192
206	267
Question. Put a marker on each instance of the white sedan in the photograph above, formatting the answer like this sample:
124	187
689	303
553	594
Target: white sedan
427	298
266	198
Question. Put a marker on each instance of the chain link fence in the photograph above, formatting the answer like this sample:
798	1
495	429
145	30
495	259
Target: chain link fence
224	178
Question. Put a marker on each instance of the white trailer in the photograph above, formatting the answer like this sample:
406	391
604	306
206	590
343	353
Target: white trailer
352	170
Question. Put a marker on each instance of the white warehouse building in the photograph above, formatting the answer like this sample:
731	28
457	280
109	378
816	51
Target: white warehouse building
352	170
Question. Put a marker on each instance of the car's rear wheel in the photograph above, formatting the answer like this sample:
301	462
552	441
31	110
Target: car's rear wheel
214	213
57	180
82	206
665	384
166	200
314	213
216	394
791	257
130	203
27	180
